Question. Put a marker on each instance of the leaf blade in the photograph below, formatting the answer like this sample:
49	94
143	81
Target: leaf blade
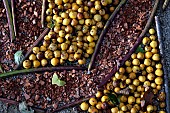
57	81
113	98
140	49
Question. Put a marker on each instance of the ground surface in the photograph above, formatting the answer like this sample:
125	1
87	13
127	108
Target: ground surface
165	25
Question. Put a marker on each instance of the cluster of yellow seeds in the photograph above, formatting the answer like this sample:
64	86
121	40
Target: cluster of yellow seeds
141	72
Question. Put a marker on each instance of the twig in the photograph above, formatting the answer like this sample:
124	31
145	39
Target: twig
42	13
1	70
103	33
12	102
9	18
139	40
159	34
72	104
41	69
13	17
41	37
165	4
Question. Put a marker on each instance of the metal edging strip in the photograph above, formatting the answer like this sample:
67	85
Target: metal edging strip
159	34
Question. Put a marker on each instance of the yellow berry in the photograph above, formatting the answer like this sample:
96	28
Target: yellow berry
84	106
152	31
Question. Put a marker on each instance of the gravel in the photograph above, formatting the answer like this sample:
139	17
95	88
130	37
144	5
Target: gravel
165	27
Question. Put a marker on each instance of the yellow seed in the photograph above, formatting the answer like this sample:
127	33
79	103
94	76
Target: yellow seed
136	62
154	44
150	76
133	56
146	40
159	72
159	80
152	37
142	78
151	31
156	57
149	69
148	54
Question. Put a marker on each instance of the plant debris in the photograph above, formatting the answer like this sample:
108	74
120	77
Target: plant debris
57	81
18	57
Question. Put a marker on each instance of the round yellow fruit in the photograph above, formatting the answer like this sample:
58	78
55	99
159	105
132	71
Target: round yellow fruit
44	62
147	62
128	63
140	55
48	54
104	98
149	69
27	64
154	44
136	62
133	110
32	57
135	69
142	78
156	57
145	41
150	76
36	63
54	61
36	50
128	69
99	105
134	55
159	66
149	108
148	54
114	110
93	101
152	37
151	31
159	80
84	106
131	99
159	72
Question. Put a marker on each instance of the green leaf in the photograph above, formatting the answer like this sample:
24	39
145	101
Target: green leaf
18	57
52	24
60	83
113	98
140	49
57	81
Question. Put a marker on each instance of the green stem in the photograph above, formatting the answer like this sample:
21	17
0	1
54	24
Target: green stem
42	69
103	33
9	17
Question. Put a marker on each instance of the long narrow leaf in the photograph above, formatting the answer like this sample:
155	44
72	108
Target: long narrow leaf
13	17
113	98
9	17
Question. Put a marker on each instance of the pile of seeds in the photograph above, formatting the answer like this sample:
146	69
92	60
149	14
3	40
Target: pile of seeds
135	84
75	28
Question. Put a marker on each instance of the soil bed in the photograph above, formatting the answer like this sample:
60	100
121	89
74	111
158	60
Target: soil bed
36	88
